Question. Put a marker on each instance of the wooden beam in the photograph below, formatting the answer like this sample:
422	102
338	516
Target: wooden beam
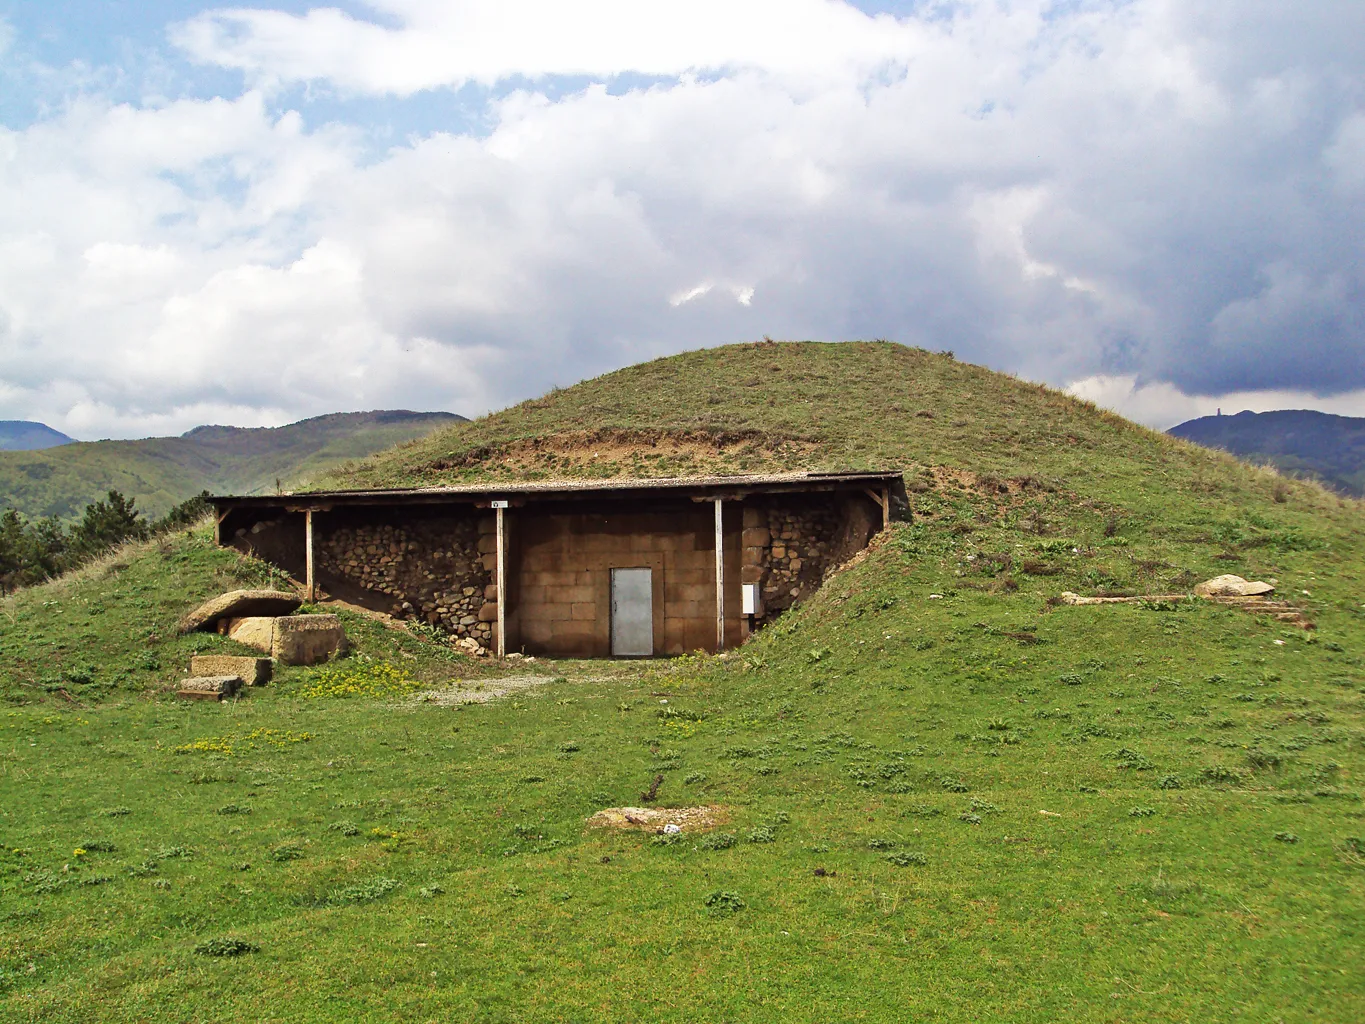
883	500
502	583
720	576
310	583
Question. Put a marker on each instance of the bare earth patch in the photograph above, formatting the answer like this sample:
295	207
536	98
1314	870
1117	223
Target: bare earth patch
653	819
479	691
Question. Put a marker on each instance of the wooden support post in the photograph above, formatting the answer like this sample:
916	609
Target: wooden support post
312	587
720	577
502	583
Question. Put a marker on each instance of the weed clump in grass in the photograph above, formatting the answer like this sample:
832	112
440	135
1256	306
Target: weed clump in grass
226	947
1220	775
365	892
1125	758
233	809
1286	837
377	680
286	852
719	841
113	812
346	828
1168	782
762	834
905	858
430	892
1142	812
723	902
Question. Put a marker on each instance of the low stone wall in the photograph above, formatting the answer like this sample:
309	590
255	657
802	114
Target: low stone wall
431	570
788	551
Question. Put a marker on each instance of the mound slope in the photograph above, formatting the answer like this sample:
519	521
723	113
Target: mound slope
951	798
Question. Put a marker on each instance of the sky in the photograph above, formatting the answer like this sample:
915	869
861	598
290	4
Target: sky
253	214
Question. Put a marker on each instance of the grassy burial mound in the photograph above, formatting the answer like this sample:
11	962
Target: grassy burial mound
930	793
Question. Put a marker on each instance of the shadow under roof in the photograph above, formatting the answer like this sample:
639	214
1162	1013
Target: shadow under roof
559	490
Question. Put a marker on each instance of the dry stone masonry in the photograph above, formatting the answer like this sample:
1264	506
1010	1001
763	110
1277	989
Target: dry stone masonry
788	551
438	571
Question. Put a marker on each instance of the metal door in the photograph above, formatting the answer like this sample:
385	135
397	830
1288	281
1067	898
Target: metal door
632	612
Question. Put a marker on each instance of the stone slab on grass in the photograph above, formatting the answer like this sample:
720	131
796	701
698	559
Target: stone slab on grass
239	604
1233	586
307	639
251	671
256	631
210	686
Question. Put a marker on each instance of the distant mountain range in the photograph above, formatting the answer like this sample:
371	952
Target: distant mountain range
27	436
62	478
1298	441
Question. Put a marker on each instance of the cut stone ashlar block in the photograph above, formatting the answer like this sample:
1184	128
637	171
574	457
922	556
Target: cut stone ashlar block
251	671
237	604
292	639
307	639
208	687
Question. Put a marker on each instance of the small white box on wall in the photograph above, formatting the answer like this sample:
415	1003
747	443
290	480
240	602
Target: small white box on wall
749	599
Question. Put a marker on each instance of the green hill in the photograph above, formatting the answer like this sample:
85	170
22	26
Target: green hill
1301	442
158	472
948	797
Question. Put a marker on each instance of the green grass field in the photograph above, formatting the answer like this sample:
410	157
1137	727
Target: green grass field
1017	811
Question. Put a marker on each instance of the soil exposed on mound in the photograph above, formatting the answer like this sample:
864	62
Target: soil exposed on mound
635	453
653	819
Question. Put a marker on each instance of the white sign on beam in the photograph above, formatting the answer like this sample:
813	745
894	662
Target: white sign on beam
499	504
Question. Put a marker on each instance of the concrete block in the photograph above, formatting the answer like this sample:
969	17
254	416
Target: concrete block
556	612
251	671
583	611
755	517
577	594
487	544
490	592
489	612
757	537
751	574
699	592
221	686
307	639
256	631
489	562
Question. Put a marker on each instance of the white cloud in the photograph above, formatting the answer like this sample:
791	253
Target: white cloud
434	43
1152	190
1163	405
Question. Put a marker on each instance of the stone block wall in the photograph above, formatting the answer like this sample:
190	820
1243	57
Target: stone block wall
432	570
438	567
790	547
561	601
